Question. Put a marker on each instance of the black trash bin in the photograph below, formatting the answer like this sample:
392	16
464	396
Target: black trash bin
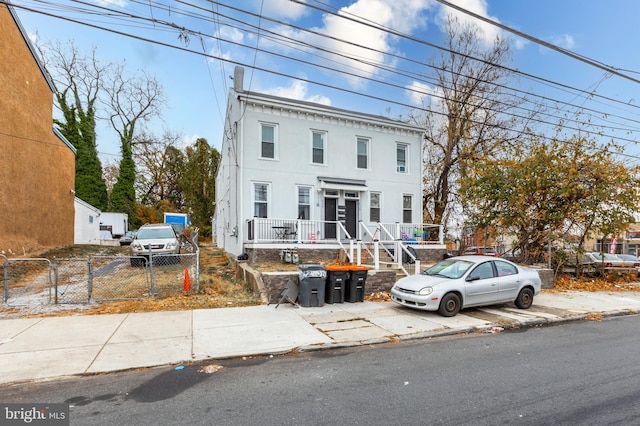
312	280
355	285
337	278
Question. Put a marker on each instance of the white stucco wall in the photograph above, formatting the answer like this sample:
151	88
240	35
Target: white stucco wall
86	223
241	165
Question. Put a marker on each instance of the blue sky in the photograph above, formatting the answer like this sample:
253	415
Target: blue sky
196	86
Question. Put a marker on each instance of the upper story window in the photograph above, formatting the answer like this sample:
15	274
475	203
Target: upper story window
260	199
267	140
374	207
318	147
363	153
407	202
402	154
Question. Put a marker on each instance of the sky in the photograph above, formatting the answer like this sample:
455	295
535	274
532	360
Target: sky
334	52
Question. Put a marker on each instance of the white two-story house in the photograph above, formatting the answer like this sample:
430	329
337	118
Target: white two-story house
310	175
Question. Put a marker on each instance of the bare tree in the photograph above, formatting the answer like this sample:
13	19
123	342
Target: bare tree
160	165
467	121
131	101
77	84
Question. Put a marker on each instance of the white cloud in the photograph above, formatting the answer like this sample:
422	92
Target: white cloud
488	31
421	94
120	3
279	9
366	46
565	41
298	90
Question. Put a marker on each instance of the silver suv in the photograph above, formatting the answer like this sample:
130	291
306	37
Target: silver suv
155	239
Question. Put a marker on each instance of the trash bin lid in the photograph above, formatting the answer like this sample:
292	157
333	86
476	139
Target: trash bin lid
311	267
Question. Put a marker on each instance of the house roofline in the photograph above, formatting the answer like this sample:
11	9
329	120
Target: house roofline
312	107
30	45
64	140
84	203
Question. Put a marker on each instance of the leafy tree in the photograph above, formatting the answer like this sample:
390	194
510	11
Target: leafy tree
198	183
467	121
76	80
160	165
552	190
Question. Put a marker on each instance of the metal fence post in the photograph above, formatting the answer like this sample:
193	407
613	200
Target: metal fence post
89	280
6	278
55	280
153	287
197	268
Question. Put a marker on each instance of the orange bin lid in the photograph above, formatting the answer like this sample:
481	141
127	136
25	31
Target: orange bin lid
338	267
358	268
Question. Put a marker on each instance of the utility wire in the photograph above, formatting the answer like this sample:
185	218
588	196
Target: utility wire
260	69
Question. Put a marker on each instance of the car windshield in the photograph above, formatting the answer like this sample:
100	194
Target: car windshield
449	268
154	233
604	256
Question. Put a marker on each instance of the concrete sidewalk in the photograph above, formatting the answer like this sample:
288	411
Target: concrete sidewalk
44	348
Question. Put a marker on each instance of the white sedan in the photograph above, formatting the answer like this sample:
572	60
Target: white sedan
466	281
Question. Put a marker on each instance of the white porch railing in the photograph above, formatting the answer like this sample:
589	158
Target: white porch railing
394	239
268	230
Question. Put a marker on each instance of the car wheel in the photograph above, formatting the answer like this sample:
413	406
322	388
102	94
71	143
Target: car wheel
449	305
135	262
525	298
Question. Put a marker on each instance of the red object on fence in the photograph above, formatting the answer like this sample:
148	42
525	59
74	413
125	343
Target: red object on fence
187	282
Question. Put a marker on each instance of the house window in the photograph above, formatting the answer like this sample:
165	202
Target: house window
90	219
374	207
318	147
304	202
402	151
267	140
363	153
260	199
407	201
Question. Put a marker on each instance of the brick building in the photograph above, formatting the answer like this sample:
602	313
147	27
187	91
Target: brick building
37	171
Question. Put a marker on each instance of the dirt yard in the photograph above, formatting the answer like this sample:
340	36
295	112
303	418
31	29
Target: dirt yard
218	288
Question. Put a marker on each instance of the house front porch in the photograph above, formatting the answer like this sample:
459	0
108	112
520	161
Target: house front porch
402	246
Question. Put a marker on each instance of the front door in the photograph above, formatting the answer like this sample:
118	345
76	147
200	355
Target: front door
330	214
351	217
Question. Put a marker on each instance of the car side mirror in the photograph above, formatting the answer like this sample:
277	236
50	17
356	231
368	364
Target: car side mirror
473	277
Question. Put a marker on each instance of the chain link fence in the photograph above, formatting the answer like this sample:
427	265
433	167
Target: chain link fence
34	281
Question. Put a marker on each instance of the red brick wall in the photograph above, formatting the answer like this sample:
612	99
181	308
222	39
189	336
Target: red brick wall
37	170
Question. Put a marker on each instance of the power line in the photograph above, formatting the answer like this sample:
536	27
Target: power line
238	63
548	45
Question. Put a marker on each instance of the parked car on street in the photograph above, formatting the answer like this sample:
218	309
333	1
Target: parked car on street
466	281
154	239
480	251
629	260
605	260
127	238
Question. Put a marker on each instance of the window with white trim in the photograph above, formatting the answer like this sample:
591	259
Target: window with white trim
374	207
260	199
304	202
267	140
402	155
407	202
318	147
362	153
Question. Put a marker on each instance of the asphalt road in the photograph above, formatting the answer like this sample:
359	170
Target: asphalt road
582	373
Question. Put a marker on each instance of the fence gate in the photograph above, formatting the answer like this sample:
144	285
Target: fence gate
27	281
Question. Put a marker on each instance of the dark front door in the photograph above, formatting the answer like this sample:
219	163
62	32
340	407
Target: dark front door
330	213
351	217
